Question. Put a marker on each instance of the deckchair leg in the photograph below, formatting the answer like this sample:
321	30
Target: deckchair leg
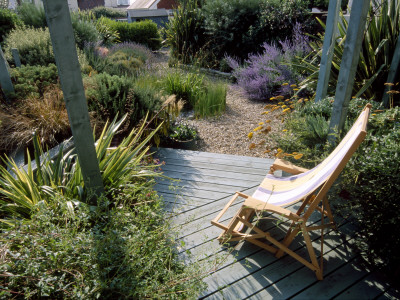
329	211
311	252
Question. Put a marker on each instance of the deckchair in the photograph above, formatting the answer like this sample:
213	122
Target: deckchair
308	187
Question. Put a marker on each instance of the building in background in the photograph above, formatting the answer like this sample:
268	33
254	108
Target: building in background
158	11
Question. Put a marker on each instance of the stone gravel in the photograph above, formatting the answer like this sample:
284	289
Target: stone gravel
228	133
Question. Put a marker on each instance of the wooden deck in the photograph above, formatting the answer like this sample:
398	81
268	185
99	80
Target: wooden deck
207	182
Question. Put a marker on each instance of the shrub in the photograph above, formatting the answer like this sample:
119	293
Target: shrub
231	26
108	34
185	33
32	15
101	11
145	32
382	31
111	95
263	75
68	249
34	46
8	21
33	80
84	31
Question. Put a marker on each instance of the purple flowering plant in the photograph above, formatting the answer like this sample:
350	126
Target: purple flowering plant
262	75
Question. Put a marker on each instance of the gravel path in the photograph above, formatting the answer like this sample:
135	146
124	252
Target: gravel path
228	133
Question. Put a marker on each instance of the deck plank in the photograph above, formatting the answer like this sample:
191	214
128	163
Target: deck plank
206	183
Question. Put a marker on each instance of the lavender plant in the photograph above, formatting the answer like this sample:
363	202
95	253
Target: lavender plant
262	75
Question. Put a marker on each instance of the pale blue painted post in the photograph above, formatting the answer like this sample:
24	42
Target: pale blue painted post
348	66
393	72
63	41
327	49
15	55
5	78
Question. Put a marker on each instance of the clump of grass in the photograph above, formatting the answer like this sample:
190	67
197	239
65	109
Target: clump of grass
212	102
47	116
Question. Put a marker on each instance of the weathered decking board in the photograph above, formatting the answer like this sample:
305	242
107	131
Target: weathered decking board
207	182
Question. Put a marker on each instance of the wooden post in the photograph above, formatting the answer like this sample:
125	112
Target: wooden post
5	78
62	38
15	55
348	66
393	72
327	49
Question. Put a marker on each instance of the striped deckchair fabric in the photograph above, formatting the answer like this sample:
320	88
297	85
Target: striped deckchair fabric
276	193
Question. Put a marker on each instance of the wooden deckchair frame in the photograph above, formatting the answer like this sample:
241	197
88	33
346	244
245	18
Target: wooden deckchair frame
316	201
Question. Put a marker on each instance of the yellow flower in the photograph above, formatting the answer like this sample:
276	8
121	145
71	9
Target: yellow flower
298	156
388	83
293	85
285	84
272	98
284	130
296	89
258	128
265	113
283	106
268	121
373	114
250	135
261	123
279	150
280	103
279	97
285	110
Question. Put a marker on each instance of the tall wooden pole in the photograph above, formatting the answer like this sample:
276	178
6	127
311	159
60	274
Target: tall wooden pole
348	66
393	72
327	49
62	38
5	79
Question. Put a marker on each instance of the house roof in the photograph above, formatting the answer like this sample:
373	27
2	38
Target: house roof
142	4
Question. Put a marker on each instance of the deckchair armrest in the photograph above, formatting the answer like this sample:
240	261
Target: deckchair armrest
286	166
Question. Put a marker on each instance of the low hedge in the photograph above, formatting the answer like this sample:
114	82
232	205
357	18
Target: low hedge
144	32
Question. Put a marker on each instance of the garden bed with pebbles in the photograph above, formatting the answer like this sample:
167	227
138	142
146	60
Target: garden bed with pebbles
228	133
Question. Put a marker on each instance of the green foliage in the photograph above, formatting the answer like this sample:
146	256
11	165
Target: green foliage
186	86
182	132
101	11
372	185
211	102
8	21
383	29
84	31
34	46
33	80
32	15
205	33
145	32
70	250
23	189
107	94
232	27
110	96
185	33
109	35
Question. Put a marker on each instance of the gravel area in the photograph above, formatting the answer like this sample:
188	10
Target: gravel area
228	133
